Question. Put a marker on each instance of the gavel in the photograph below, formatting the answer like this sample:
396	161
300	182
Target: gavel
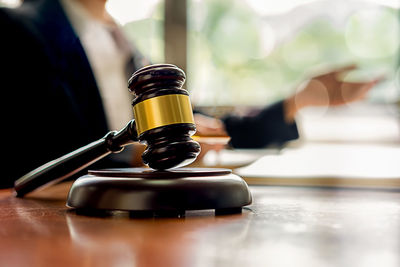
163	120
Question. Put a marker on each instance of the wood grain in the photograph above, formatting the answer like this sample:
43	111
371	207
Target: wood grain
285	226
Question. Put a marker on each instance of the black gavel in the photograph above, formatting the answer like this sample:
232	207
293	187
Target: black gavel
163	121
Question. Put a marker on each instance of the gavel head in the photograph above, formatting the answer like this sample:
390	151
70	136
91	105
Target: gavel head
163	116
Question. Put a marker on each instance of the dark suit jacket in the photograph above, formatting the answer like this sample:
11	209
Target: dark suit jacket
51	102
265	128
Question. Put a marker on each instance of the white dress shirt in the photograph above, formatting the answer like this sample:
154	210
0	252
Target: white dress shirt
107	60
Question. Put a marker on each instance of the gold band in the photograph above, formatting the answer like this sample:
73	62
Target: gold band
162	110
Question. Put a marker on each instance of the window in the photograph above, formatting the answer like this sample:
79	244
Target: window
256	52
143	23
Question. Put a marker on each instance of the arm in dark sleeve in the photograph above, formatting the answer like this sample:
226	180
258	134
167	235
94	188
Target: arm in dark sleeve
265	128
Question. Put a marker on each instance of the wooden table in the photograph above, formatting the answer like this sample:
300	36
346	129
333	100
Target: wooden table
285	226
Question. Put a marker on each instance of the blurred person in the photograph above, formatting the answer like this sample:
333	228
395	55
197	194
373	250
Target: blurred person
275	124
65	66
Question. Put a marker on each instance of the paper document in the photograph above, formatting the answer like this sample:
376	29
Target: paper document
343	165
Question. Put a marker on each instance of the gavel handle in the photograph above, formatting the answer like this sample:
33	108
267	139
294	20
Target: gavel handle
71	163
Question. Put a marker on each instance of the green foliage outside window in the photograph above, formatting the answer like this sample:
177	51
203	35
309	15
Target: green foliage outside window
230	62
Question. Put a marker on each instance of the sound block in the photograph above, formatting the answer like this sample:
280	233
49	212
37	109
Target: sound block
162	192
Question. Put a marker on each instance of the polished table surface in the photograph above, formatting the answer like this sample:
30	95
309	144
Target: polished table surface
285	226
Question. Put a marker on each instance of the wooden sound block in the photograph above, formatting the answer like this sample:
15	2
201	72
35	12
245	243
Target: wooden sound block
172	191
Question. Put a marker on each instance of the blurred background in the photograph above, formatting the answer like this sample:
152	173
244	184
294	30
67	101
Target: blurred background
244	54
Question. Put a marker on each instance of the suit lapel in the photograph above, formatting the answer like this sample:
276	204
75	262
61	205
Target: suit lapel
72	65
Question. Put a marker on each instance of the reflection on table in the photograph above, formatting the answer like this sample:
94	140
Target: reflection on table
285	226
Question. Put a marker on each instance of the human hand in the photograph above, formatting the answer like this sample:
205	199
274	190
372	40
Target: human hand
208	126
210	134
328	89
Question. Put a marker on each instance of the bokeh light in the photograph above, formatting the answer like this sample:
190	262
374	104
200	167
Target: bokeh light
302	51
365	37
126	11
264	8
